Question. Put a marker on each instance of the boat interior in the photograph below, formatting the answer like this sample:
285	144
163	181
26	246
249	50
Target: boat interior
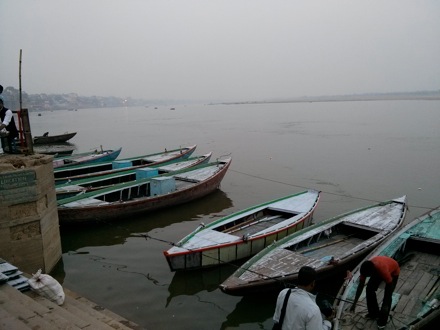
417	291
333	241
255	222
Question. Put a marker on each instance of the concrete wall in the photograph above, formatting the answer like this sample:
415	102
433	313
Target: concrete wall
29	227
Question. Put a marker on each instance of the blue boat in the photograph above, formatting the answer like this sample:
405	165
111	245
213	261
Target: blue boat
81	171
93	157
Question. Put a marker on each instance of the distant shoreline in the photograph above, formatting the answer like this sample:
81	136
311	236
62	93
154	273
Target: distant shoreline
349	98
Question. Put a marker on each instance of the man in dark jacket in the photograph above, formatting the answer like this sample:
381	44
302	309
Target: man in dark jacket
8	129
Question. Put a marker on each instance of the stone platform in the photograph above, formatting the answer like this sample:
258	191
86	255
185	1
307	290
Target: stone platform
28	310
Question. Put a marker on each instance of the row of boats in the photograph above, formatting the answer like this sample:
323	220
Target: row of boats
275	238
98	186
279	239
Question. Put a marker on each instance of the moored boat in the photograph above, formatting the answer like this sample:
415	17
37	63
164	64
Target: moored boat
82	171
128	199
244	233
55	149
93	157
70	189
329	247
48	139
415	300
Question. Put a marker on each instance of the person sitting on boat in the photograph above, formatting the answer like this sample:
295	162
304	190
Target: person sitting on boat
7	127
301	312
380	269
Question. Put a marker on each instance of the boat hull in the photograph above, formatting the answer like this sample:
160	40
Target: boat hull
92	158
53	138
128	208
235	246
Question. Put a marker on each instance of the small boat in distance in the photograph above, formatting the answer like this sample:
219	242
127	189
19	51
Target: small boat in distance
83	171
48	139
329	247
127	199
415	300
86	158
243	234
55	149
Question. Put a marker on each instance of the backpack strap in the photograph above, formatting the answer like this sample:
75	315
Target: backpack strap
283	310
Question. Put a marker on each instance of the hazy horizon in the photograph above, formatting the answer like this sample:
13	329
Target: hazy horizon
220	50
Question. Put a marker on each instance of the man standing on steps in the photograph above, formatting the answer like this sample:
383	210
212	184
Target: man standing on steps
8	129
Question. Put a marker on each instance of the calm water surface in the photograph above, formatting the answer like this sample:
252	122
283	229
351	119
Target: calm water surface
356	153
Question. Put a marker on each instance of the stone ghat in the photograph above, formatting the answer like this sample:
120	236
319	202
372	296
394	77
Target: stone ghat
28	310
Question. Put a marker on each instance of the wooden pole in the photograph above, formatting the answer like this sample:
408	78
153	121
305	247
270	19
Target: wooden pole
24	117
19	79
27	131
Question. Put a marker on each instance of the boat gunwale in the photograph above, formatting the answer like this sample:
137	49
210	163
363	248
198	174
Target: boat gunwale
255	209
138	206
65	137
238	242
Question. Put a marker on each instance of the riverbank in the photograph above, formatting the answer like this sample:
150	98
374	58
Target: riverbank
406	96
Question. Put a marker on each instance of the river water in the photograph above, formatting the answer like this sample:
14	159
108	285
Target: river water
356	153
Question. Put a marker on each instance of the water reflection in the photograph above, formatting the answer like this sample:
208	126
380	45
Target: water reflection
251	309
112	233
192	282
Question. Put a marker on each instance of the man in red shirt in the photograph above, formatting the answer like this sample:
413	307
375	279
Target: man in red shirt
379	268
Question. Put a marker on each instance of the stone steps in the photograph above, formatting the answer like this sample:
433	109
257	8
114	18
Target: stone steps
30	311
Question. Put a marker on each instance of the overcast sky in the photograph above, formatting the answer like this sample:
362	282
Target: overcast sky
220	49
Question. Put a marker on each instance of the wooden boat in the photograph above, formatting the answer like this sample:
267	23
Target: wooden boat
56	149
417	294
83	171
70	189
48	139
86	158
128	199
243	234
328	246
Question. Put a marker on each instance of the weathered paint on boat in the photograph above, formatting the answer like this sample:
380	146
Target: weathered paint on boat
328	246
87	158
69	189
417	294
244	233
79	172
125	200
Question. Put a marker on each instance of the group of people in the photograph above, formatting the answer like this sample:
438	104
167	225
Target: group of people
296	308
8	129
